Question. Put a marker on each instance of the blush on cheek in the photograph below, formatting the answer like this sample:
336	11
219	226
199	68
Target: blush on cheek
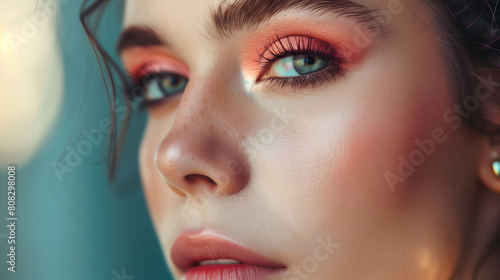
387	147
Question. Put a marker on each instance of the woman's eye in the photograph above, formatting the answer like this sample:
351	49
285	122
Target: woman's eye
162	85
297	65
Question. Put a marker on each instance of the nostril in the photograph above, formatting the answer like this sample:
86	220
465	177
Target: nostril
198	178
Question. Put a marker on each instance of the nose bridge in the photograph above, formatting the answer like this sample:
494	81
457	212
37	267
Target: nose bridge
211	112
203	149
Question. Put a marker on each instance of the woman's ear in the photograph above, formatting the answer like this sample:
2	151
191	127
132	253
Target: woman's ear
489	164
487	120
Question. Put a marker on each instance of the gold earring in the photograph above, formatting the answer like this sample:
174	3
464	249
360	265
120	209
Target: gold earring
496	168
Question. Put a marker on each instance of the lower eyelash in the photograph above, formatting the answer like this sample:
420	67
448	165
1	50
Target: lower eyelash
139	84
136	85
311	80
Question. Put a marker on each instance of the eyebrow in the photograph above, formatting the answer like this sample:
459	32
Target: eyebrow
139	36
229	18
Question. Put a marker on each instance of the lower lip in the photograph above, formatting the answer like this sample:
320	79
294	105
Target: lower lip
230	272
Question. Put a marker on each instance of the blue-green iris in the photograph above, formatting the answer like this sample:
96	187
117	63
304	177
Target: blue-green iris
306	64
297	65
163	86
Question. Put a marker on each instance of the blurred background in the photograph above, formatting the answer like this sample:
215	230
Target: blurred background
54	119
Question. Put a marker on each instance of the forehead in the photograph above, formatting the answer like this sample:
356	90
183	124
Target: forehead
198	14
189	26
178	22
164	13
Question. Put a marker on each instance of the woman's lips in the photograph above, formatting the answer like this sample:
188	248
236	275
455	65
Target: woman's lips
215	252
230	272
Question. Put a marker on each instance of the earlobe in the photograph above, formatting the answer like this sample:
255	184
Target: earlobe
489	167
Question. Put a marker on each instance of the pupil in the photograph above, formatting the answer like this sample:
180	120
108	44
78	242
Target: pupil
174	81
310	60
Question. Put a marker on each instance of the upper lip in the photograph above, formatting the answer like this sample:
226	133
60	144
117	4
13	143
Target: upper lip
190	248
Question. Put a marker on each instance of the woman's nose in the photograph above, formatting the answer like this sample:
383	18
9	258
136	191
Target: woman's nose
203	150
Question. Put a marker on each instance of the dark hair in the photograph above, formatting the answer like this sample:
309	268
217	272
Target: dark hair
109	70
471	36
470	39
473	39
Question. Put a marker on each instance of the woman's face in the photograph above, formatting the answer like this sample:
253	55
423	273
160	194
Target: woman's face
312	137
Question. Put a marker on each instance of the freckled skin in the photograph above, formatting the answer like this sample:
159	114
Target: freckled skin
292	166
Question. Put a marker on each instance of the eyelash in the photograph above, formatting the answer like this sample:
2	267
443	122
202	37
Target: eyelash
275	50
304	45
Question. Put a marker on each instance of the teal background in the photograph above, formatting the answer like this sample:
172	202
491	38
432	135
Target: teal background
82	227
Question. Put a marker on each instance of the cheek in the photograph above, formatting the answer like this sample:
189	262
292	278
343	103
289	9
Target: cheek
328	171
414	215
342	150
